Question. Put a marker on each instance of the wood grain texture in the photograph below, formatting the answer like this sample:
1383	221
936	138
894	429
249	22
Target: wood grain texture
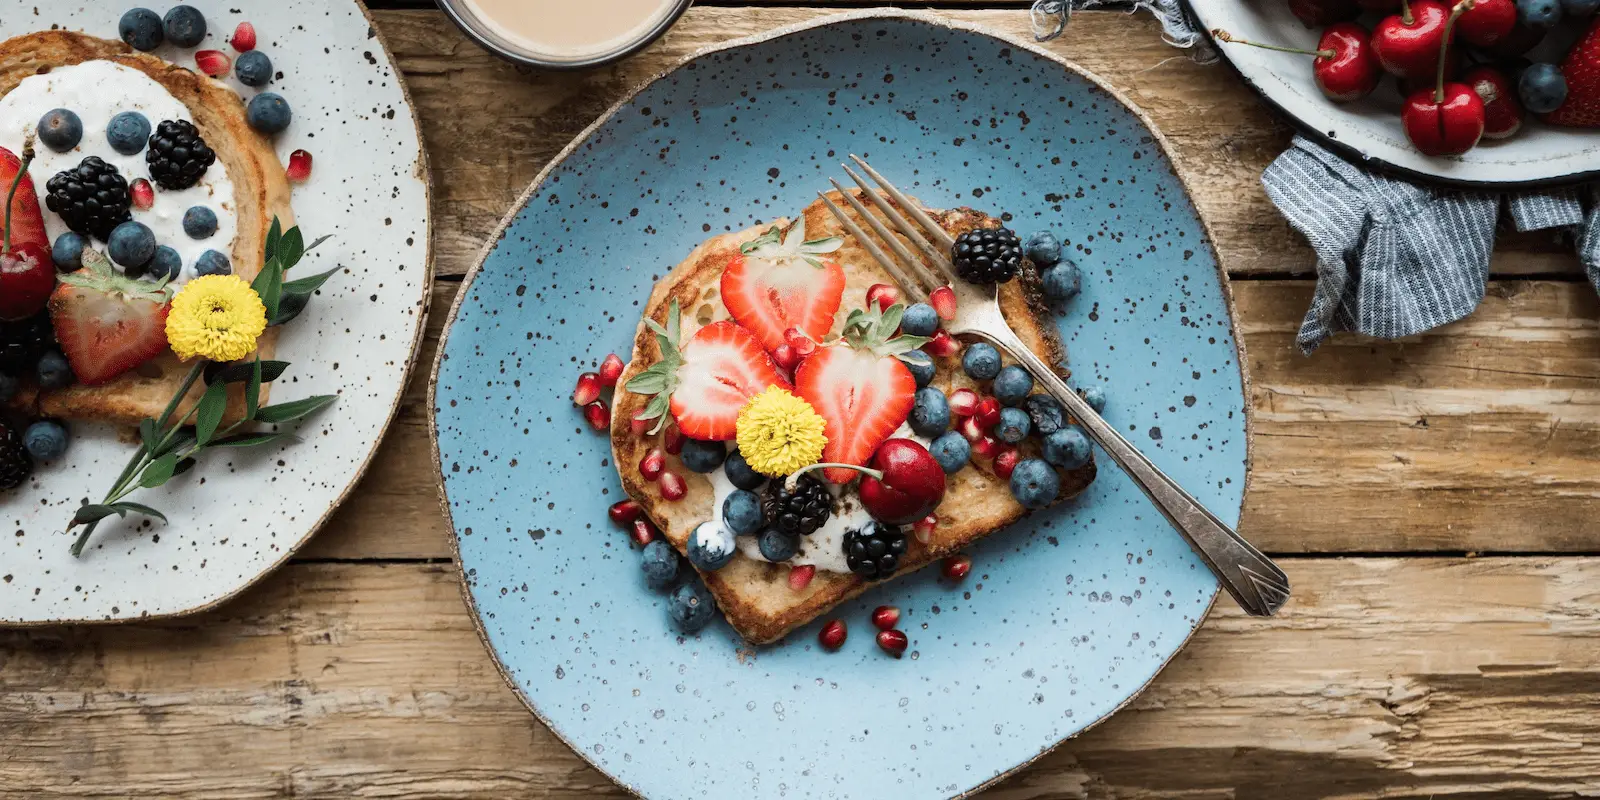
1416	677
491	126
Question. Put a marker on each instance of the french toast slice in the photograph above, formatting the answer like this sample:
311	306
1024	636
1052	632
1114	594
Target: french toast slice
755	596
261	192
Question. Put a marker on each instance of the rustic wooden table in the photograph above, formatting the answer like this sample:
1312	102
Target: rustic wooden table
1436	502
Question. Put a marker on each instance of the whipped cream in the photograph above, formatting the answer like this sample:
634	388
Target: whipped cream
97	91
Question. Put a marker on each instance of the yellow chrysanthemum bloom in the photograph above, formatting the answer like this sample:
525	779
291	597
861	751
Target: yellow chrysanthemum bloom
218	317
779	433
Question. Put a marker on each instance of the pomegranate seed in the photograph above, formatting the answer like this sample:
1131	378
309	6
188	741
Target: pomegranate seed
956	567
598	415
588	389
893	642
943	301
986	448
653	463
923	528
831	637
299	166
624	512
673	487
1005	462
882	295
943	345
213	62
610	371
785	357
244	37
885	617
143	194
644	532
800	576
963	402
672	439
969	427
988	413
639	425
801	343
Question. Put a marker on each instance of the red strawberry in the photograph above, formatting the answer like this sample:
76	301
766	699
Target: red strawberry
779	281
107	324
1581	68
858	386
27	221
706	382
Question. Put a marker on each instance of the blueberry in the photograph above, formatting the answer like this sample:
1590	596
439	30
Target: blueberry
46	440
67	252
701	456
659	563
199	222
213	263
1062	281
710	546
132	244
1579	8
128	132
778	545
8	387
1067	448
921	366
741	512
166	264
141	29
951	450
981	361
185	26
930	413
920	320
1045	413
54	371
1539	14
1042	249
739	472
1542	88
269	113
1034	483
1014	425
1012	385
691	607
60	129
253	68
1095	396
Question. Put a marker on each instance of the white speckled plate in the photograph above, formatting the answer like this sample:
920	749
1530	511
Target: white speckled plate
239	515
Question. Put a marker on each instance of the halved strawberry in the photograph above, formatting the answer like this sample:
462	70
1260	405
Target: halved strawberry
858	386
706	381
27	221
107	324
780	281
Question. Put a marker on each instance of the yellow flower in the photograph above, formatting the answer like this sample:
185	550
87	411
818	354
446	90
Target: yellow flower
779	433
217	317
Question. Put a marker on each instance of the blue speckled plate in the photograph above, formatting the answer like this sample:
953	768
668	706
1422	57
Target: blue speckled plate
1066	615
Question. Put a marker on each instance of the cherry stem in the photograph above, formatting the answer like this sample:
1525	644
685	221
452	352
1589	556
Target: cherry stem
1223	36
794	480
1405	13
1444	49
22	172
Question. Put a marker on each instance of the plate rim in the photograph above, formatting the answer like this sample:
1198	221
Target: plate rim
425	303
492	242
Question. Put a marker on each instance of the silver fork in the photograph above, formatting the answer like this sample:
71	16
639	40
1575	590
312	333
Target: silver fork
1258	585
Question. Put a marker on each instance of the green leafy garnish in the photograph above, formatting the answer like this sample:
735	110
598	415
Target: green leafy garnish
660	378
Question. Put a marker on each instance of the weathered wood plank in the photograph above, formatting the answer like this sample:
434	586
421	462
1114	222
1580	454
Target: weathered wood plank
491	127
1410	677
1480	436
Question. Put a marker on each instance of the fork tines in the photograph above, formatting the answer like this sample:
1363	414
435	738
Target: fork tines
913	275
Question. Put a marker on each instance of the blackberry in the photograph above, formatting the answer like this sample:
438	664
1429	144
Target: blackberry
873	551
800	512
987	255
16	466
178	157
92	198
23	341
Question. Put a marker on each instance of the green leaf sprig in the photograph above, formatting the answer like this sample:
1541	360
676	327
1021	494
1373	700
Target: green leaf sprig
660	378
170	444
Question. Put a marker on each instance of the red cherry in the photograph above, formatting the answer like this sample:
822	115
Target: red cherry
1319	13
1487	22
1352	72
1407	44
1379	5
1446	123
27	277
1502	112
911	486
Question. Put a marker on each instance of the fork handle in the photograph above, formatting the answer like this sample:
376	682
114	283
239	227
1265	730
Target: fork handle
1259	586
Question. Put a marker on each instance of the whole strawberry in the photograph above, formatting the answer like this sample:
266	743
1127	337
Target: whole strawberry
1581	68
